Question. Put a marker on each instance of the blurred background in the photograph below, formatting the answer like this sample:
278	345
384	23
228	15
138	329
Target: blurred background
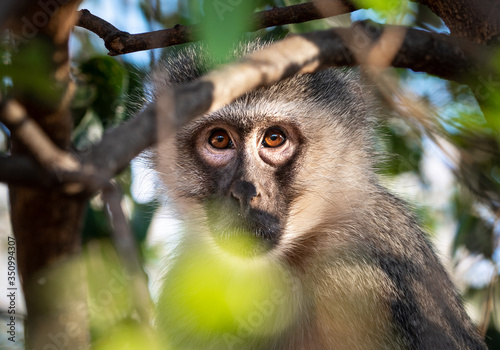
441	155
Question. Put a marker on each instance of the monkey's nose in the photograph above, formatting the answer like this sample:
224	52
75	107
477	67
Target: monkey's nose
245	192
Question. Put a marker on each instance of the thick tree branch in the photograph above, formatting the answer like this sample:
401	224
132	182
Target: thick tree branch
119	42
20	170
477	21
421	51
93	169
364	43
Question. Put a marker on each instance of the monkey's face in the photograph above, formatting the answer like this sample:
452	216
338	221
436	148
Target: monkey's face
270	164
245	164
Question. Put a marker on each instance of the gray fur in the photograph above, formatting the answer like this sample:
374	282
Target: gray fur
364	274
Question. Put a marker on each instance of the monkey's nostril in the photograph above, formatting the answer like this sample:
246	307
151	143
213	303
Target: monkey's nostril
235	196
245	192
255	199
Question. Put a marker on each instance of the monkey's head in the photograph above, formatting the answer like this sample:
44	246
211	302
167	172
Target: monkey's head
266	164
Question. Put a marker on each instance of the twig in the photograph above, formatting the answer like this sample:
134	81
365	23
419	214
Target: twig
119	42
488	304
40	146
124	242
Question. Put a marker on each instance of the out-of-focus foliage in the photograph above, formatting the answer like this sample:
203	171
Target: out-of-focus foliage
223	23
380	5
109	294
113	323
402	149
110	90
31	73
215	297
108	93
129	335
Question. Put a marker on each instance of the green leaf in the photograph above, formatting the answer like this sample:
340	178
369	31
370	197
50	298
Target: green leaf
109	288
224	22
379	5
32	76
109	80
403	147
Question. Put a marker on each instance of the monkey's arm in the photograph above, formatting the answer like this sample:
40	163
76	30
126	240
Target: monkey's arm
425	306
377	284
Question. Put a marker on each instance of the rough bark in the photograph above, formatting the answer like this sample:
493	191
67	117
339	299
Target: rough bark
477	21
47	224
119	42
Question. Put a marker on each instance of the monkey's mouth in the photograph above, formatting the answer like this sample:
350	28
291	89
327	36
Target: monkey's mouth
227	222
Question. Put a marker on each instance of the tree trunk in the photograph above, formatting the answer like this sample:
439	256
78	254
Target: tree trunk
46	223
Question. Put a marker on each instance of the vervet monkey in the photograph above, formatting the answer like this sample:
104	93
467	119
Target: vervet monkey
290	241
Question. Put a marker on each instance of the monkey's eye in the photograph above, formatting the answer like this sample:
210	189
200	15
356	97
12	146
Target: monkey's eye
273	138
220	139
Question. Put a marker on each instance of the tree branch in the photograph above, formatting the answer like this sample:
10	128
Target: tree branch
23	171
19	170
57	168
477	21
421	51
119	42
32	136
47	223
126	246
119	146
363	43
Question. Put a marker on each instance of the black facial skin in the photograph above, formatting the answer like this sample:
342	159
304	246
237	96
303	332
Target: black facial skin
250	191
